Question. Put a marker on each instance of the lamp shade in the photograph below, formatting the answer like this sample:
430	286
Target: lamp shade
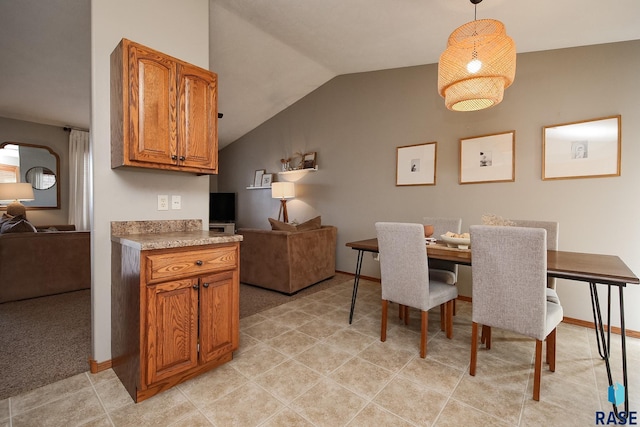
16	191
477	66
283	190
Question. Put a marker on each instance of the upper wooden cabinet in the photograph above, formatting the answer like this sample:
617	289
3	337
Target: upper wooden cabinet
164	112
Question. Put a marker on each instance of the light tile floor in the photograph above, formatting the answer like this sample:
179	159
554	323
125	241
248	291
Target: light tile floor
302	364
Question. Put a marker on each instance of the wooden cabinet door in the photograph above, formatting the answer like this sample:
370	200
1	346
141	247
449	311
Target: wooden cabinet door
152	107
198	118
172	328
219	316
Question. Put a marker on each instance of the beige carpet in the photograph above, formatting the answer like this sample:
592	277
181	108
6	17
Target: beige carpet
44	340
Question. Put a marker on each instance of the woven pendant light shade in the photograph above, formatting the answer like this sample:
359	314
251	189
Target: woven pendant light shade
482	44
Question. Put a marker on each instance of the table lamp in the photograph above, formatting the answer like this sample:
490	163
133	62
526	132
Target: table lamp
16	191
283	191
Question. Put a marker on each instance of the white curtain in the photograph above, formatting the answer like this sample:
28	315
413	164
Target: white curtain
79	180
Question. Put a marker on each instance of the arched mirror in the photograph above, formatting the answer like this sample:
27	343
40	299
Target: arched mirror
35	164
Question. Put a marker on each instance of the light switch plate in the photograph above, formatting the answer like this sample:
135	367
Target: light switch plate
163	202
176	202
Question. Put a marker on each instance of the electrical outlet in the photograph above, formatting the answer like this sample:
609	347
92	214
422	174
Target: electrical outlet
163	202
176	202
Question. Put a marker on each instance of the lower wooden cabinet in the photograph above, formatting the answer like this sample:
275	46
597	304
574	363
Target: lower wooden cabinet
175	314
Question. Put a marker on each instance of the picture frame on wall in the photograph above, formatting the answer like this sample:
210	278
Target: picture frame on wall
266	180
309	160
583	149
416	164
257	177
487	158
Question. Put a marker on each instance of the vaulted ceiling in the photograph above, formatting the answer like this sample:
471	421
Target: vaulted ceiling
269	54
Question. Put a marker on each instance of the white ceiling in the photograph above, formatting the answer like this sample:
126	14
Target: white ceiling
269	54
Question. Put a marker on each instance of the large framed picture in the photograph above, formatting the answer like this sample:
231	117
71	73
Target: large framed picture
487	158
416	164
585	149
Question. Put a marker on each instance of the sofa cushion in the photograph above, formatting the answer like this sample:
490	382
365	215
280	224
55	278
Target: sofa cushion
312	224
281	226
15	224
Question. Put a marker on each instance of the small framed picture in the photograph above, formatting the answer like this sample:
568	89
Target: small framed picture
257	177
309	160
416	164
266	179
487	158
585	149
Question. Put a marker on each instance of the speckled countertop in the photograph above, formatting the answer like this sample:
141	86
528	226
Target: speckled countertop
146	235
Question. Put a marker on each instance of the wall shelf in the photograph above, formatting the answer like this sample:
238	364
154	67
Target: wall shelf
296	174
259	188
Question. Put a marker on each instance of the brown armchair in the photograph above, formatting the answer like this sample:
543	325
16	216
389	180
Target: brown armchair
287	261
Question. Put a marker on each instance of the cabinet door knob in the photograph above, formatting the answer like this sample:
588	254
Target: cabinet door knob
182	158
174	157
198	262
206	285
196	286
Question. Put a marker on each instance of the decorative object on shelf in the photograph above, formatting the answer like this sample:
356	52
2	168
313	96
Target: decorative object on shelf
416	164
477	66
266	180
285	164
283	191
16	192
585	149
257	177
488	158
309	160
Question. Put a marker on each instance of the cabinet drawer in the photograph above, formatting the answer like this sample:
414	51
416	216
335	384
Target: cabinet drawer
173	265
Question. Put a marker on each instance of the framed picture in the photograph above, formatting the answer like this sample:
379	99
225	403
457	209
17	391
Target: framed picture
309	160
586	149
488	158
416	164
266	179
257	177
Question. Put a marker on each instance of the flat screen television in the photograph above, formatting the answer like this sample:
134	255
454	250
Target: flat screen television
222	207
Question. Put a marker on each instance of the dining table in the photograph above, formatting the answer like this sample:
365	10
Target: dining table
590	268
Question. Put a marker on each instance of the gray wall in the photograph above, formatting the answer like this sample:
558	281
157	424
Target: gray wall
180	29
355	122
55	138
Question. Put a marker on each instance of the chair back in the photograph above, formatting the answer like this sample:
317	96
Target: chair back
553	230
440	227
509	278
404	265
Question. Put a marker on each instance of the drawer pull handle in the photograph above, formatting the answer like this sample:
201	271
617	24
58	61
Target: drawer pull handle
206	285
198	262
196	286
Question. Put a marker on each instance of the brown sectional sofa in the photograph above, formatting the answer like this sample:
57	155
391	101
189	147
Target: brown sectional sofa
44	263
287	261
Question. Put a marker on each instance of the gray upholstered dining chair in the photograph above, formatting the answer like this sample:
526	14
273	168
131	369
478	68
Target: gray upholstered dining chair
444	271
553	231
404	269
509	281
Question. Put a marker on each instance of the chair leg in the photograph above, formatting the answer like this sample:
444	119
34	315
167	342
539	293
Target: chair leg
537	371
474	348
406	314
454	306
383	326
400	311
485	337
443	314
551	350
424	317
449	318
